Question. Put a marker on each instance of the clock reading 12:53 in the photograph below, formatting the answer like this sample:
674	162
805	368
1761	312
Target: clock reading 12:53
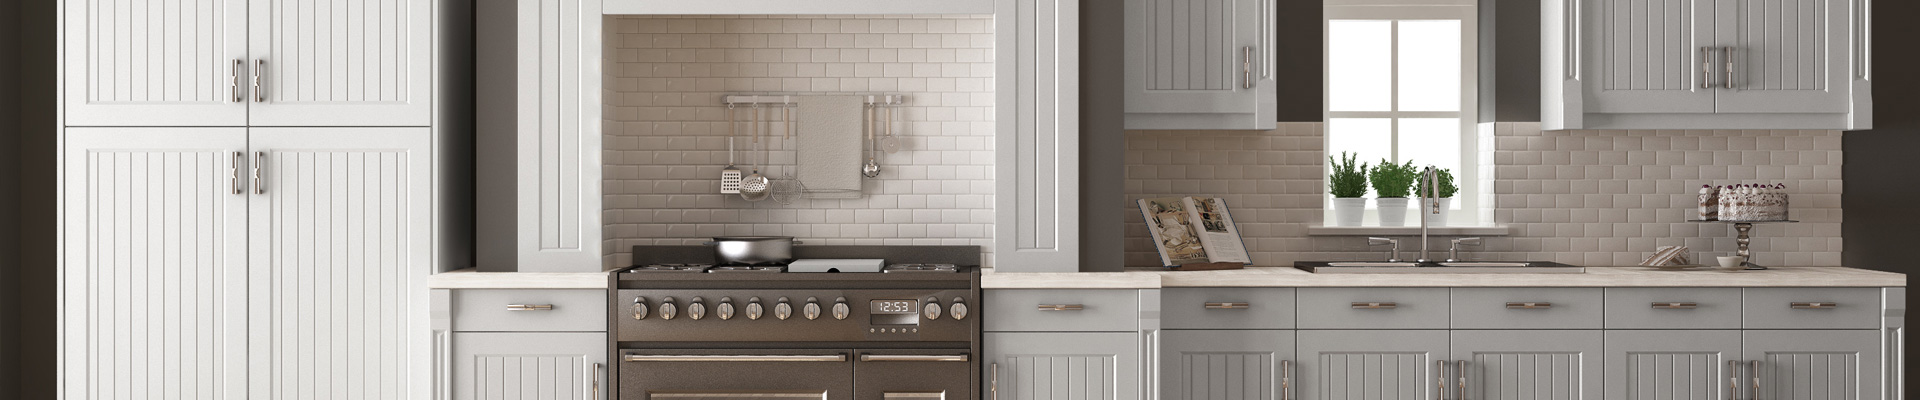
894	306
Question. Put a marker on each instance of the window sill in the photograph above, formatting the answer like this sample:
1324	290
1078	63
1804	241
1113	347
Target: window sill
1406	230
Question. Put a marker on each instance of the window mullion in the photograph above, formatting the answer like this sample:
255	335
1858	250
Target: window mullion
1393	88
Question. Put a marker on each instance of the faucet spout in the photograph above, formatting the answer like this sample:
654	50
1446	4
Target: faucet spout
1431	178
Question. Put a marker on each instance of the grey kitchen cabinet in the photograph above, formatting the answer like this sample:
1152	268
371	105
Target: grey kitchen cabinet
1669	364
1036	146
1200	64
1813	365
1640	64
1371	364
1527	364
530	366
247	62
1063	365
1225	364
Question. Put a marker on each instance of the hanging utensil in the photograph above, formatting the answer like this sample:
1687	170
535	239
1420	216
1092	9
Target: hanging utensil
872	169
788	188
888	142
755	187
730	176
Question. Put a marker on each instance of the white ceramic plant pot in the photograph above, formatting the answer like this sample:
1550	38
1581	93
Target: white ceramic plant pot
1348	211
1446	203
1393	211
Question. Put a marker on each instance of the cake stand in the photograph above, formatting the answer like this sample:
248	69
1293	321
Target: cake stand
1744	239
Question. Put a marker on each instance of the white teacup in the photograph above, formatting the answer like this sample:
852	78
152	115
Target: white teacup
1732	262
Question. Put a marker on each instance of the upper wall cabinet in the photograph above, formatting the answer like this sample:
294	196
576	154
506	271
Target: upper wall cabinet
1036	142
1646	64
248	62
1200	64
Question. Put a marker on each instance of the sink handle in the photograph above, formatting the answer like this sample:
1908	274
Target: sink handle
1393	254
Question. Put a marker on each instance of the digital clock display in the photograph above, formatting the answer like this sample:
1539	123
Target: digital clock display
895	307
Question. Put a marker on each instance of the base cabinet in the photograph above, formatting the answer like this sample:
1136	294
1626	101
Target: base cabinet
1063	366
1526	364
1371	364
530	365
1812	365
1226	364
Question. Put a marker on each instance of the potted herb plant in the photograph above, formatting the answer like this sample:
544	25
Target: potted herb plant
1447	190
1393	182
1347	183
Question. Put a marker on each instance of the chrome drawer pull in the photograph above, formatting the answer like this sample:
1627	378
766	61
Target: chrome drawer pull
529	307
1375	305
1814	305
1528	305
1228	305
1062	307
731	358
1676	306
910	357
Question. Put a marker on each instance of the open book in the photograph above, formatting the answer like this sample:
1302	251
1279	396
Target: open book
1191	230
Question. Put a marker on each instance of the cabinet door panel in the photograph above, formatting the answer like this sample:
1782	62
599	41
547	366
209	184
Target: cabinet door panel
1036	205
1669	365
1789	56
1225	364
340	232
1529	365
1062	366
154	62
153	274
341	62
1644	56
530	366
1343	365
1815	365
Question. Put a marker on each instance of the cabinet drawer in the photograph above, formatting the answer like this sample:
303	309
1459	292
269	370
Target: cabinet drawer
1673	308
510	310
1811	308
1062	310
1227	308
1526	308
1373	308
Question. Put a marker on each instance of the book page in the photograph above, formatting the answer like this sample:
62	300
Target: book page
1217	232
1173	235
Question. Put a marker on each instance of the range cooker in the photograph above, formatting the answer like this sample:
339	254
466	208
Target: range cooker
685	329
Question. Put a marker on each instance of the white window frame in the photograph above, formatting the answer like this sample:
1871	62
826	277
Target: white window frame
1470	198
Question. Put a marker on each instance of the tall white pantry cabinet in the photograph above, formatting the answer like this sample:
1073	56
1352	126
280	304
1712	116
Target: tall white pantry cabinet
252	192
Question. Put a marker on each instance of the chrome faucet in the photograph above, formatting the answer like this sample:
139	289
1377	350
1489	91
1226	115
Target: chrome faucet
1393	254
1453	251
1430	200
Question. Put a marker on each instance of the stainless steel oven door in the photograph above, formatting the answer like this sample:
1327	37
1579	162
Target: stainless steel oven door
736	375
913	375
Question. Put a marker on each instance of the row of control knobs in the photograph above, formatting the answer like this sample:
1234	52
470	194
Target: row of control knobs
782	309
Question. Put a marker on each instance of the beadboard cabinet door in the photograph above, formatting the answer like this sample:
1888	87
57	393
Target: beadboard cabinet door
1647	55
1669	364
1813	365
1036	207
1226	364
338	252
1200	64
1062	366
341	62
154	62
530	366
1788	57
1527	364
1370	364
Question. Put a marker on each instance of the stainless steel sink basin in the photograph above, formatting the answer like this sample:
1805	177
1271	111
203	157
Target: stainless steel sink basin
1481	267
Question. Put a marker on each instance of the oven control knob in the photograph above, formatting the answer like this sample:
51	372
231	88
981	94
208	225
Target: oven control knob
840	309
754	311
932	310
725	309
783	310
958	309
639	308
812	310
697	308
667	309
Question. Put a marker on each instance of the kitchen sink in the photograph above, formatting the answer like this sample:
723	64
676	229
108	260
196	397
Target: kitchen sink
1475	267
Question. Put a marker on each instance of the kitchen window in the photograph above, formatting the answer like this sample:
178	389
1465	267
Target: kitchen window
1400	86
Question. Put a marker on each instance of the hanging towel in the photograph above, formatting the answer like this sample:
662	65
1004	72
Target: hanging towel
830	146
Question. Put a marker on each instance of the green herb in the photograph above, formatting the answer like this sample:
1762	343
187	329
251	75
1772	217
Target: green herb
1347	180
1390	180
1447	187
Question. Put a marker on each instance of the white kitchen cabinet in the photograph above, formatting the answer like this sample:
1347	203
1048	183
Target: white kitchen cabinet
1643	64
1037	136
1200	64
248	62
1063	365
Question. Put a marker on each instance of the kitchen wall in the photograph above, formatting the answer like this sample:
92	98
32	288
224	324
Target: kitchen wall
665	133
1580	197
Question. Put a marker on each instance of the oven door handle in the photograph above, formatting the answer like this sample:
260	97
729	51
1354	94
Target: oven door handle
913	357
734	358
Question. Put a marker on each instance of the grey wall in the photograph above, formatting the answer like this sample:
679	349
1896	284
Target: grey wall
27	152
1102	137
1881	180
9	184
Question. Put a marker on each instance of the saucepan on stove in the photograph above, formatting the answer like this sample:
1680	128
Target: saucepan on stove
752	250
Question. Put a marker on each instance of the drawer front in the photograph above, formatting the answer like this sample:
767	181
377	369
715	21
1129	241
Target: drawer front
1227	308
1022	310
1526	308
1373	308
1811	308
1673	308
511	310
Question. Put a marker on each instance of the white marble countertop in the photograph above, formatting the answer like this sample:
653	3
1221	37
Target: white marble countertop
470	279
1147	278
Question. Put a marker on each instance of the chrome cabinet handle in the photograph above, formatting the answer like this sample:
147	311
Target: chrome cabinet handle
732	358
994	388
259	157
1440	379
1286	379
1528	305
529	307
1375	305
1753	369
233	76
1227	305
259	68
1813	305
596	381
911	357
1062	307
1675	305
233	173
1460	370
1246	67
1733	379
1727	53
1706	67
